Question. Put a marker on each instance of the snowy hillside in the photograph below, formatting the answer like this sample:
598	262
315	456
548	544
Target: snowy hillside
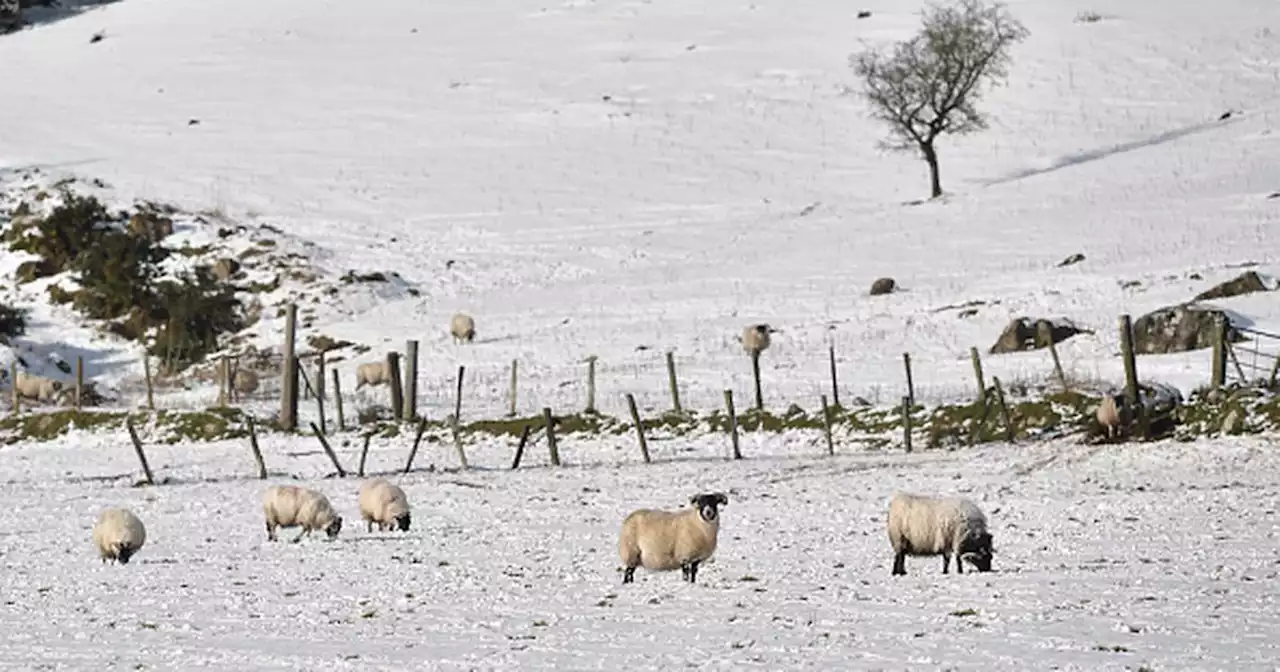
624	178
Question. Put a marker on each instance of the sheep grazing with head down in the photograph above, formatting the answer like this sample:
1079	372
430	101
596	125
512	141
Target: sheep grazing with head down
755	339
948	526
291	506
463	328
663	540
385	504
372	373
118	534
37	388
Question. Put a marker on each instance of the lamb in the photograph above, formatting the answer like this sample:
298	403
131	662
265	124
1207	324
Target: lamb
920	525
37	387
372	373
291	506
384	504
462	327
118	534
663	540
755	339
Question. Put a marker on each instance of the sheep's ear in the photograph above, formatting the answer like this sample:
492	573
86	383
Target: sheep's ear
722	499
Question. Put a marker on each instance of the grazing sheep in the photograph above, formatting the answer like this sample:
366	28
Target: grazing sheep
755	338
118	534
384	504
663	540
291	506
920	525
37	387
1113	415
244	381
372	373
462	327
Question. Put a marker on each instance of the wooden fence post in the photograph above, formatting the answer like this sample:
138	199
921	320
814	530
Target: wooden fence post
826	426
79	382
13	380
137	448
1010	433
755	375
411	380
364	452
524	439
591	384
911	386
328	450
1132	393
417	440
515	367
551	436
733	424
253	447
224	381
397	396
906	423
337	400
1218	376
977	373
835	387
289	382
1046	334
635	418
672	382
320	389
146	371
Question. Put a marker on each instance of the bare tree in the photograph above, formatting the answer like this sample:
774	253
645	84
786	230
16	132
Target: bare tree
930	84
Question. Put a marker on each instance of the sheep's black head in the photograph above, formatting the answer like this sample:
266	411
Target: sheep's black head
402	521
334	527
708	504
977	550
123	554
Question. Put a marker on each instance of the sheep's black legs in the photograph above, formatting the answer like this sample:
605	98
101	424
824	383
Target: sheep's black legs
271	532
946	563
629	576
959	564
693	572
900	564
684	572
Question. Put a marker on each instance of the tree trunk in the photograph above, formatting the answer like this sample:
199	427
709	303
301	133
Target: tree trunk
931	158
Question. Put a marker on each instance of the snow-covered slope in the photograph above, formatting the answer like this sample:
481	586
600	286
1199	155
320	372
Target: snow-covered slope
611	176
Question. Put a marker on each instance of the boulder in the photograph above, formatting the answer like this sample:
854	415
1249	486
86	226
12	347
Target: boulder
1246	283
883	286
1180	328
1023	333
1071	260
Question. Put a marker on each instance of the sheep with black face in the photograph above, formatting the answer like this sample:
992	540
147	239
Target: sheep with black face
291	506
385	504
946	526
664	540
118	534
755	339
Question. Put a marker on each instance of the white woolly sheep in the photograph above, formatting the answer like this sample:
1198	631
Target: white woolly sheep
385	504
663	540
947	526
462	327
1113	415
118	534
755	338
291	506
372	373
37	387
245	381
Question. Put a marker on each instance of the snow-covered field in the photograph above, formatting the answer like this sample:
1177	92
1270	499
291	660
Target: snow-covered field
616	175
621	178
1107	558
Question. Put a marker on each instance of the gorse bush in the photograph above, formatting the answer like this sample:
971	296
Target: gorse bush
120	279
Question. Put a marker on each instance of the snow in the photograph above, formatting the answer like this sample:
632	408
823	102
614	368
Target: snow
1107	557
622	179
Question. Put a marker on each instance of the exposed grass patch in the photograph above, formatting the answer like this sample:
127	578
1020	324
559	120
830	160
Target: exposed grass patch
211	424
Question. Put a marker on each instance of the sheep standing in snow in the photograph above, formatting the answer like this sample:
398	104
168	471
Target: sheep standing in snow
1113	415
118	534
663	540
291	506
372	373
755	339
385	504
37	387
463	328
920	525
